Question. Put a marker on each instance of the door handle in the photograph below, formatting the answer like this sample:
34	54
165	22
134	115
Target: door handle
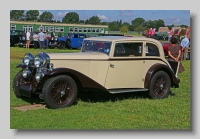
111	65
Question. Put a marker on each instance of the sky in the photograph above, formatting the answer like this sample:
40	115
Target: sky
176	17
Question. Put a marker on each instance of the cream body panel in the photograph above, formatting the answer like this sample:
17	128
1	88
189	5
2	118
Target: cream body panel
149	63
94	69
79	55
125	74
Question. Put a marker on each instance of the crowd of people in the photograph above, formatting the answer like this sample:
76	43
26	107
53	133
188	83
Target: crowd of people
178	49
42	37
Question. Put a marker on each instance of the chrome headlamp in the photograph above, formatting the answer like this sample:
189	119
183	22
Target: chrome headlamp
38	76
38	61
28	59
26	73
41	59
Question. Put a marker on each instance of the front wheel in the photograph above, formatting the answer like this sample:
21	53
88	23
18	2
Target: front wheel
160	85
59	92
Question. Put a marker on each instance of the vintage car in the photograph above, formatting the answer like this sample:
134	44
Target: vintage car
112	64
110	35
69	41
158	36
16	36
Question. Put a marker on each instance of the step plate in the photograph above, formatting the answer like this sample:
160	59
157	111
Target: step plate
115	91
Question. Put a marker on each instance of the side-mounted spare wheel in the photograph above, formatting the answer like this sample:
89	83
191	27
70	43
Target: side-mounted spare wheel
59	92
16	82
160	85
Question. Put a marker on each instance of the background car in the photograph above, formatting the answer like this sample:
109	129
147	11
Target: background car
69	41
16	36
160	37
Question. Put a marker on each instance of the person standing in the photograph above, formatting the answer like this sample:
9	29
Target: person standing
27	39
185	44
46	39
53	36
174	52
35	40
59	33
41	39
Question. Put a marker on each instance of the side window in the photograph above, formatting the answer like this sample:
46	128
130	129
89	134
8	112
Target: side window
151	50
75	35
128	49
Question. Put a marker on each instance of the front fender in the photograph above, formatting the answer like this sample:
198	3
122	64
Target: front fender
21	66
157	67
85	81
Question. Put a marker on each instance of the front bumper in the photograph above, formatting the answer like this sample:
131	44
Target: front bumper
24	45
52	45
25	90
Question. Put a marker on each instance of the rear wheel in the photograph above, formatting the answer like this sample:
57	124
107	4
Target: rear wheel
62	45
160	85
60	92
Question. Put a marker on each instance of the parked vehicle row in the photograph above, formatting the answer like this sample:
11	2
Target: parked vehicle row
67	41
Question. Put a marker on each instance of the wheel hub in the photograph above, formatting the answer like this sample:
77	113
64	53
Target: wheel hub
161	86
62	93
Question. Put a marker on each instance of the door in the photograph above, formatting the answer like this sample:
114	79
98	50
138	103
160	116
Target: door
126	66
74	41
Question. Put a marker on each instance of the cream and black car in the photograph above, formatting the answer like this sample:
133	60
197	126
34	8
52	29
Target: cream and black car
113	64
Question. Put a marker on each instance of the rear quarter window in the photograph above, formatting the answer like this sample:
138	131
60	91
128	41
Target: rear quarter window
152	50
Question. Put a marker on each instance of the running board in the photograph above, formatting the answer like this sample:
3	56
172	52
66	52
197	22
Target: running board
115	91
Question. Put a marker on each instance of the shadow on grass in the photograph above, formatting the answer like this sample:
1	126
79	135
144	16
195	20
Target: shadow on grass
98	96
33	100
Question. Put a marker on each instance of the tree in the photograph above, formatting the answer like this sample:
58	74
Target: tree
159	23
46	17
137	22
183	31
104	23
184	26
17	14
94	20
71	17
127	24
170	26
32	15
123	29
115	25
139	29
81	21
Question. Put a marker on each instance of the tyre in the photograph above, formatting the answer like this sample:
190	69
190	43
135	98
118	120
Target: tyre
59	92
160	85
16	82
62	45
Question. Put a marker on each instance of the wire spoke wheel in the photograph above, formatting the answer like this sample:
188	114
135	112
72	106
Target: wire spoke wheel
160	85
59	92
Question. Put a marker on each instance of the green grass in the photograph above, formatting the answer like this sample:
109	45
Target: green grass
133	111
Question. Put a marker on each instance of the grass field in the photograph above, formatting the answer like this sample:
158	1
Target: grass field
134	111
